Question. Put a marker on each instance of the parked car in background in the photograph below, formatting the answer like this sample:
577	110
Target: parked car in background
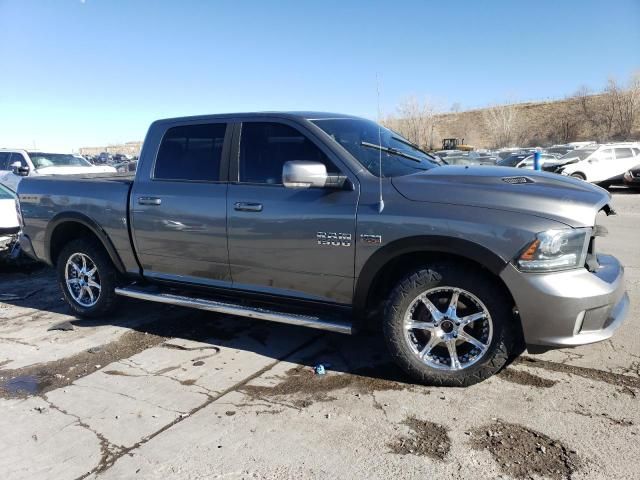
632	177
9	223
525	160
17	164
603	164
559	150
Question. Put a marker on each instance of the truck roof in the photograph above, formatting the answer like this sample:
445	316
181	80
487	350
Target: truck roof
306	115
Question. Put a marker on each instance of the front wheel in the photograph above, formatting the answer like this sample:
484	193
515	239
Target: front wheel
579	176
449	325
87	278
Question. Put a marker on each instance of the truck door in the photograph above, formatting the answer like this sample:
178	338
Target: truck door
298	242
178	205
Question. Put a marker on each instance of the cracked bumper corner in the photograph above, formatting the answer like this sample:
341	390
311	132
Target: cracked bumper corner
571	308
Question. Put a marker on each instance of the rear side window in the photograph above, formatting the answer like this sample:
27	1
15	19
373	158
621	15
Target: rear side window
623	153
4	160
191	153
266	147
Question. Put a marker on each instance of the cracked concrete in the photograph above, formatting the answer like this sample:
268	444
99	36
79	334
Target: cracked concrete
158	393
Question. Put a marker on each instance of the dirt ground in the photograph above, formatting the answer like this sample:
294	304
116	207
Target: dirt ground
158	392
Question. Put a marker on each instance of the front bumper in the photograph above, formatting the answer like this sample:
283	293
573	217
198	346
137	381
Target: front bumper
575	307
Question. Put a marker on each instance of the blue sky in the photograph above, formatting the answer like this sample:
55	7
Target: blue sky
79	73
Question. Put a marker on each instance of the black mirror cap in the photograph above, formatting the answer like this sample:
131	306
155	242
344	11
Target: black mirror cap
21	171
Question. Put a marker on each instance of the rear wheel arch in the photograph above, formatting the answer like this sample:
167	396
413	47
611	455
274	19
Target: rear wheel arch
389	264
66	227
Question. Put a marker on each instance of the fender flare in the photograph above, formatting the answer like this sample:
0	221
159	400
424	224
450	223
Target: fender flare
421	244
88	222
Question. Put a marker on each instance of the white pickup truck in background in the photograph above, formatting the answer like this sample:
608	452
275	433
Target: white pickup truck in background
16	164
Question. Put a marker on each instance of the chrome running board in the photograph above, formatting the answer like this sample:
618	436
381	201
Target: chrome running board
310	321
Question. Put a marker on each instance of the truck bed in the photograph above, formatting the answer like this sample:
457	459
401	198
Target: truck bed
99	200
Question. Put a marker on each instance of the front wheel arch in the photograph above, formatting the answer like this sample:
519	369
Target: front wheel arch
387	265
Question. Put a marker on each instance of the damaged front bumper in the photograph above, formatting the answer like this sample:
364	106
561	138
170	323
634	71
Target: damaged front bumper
9	245
570	308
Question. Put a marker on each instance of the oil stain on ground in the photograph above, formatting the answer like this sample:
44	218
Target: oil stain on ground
425	439
525	378
524	453
44	377
302	381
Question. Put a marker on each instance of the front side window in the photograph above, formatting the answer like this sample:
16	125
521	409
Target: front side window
370	143
191	153
265	148
17	157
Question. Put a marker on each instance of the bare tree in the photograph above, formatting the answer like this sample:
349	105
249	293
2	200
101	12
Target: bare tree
416	121
625	103
598	111
502	124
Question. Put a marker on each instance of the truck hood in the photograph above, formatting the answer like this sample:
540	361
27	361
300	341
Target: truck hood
548	195
75	170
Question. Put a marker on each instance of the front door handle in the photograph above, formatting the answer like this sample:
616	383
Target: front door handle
248	207
149	201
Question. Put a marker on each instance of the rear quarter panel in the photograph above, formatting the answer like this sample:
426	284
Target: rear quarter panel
103	200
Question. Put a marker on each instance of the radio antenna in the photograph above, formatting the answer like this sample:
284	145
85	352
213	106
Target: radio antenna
381	201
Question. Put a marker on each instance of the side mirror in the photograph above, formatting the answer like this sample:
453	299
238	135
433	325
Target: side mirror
303	174
18	169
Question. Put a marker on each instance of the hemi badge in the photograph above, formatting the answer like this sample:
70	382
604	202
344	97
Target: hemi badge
371	239
517	180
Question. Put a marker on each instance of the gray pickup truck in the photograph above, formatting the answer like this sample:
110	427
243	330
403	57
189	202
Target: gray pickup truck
333	222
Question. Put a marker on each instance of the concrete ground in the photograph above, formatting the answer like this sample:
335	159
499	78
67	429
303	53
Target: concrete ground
159	392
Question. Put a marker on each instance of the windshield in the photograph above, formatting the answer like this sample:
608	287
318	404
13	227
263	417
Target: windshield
6	194
44	160
580	154
368	143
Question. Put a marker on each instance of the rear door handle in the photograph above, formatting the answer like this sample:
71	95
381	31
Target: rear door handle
248	207
149	201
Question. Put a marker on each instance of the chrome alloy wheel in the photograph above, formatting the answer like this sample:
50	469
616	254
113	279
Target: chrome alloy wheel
83	281
448	328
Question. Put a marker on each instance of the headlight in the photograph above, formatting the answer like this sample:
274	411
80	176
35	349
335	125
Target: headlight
556	250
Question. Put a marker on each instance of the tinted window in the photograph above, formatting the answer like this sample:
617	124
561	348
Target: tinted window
4	160
191	152
623	153
266	147
636	151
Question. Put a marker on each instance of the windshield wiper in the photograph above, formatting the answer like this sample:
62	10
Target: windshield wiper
392	151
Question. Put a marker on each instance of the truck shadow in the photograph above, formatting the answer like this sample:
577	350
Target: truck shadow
35	296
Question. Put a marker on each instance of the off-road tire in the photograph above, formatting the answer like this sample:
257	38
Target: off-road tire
108	277
505	328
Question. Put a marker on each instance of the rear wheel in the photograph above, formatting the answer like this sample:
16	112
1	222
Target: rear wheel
87	278
579	175
448	325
